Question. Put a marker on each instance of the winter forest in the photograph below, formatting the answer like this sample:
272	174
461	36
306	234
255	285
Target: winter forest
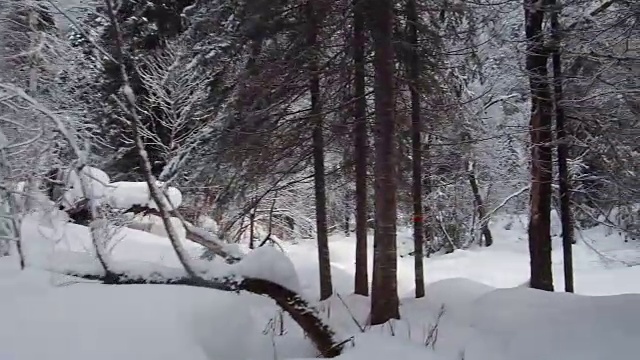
294	179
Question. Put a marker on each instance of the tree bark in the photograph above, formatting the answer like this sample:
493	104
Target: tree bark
252	219
426	216
326	288
541	137
360	148
416	147
562	149
384	294
484	222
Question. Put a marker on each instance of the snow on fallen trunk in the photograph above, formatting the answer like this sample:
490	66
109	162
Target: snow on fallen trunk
203	237
50	241
153	224
126	194
268	263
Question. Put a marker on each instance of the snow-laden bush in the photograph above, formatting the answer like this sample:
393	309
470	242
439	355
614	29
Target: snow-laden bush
118	195
96	180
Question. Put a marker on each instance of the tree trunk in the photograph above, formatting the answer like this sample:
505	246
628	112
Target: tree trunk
252	219
326	288
384	293
345	120
541	137
34	55
416	147
427	223
484	223
563	172
360	148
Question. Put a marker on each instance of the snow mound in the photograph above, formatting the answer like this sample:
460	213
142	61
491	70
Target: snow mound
54	317
457	292
125	194
527	324
571	327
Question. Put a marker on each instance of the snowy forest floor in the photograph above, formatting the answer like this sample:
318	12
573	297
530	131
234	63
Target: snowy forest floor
475	308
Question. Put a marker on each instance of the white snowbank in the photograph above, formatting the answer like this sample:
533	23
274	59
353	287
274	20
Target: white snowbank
526	324
53	317
483	323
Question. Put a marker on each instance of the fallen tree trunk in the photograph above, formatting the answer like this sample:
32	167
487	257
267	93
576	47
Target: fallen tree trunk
303	313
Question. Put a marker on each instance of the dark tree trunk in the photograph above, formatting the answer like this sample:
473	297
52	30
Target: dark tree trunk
347	198
484	223
541	137
360	148
416	147
563	172
345	121
326	288
384	293
252	218
426	217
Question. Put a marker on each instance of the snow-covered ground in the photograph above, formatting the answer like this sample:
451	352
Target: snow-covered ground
474	309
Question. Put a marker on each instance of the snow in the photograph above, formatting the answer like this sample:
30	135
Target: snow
373	346
474	300
50	319
124	194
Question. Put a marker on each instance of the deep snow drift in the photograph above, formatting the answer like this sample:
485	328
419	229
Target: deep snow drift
51	316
